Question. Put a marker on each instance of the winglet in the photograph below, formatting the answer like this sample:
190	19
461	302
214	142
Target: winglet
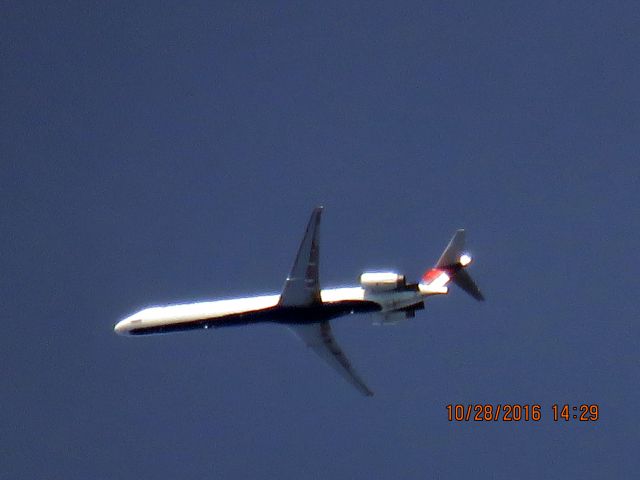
302	286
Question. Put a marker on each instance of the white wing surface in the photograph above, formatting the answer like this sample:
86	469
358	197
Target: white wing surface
318	336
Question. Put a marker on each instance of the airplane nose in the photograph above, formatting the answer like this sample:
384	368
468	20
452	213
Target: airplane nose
121	327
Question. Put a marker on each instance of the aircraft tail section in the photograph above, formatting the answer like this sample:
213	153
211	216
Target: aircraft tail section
451	268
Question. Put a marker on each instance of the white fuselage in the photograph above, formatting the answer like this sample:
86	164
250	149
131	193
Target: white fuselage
206	314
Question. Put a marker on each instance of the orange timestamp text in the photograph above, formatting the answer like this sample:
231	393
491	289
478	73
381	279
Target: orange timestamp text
516	412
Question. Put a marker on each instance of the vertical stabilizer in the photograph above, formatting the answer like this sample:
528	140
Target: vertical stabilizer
451	268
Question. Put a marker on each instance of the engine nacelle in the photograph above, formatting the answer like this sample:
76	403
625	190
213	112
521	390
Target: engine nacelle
382	280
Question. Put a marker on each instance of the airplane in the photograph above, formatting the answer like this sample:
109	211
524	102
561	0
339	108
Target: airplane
308	310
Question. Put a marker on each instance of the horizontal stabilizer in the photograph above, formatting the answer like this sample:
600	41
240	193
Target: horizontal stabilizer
451	267
465	282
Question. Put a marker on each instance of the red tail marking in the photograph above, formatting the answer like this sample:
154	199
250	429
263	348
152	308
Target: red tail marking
431	275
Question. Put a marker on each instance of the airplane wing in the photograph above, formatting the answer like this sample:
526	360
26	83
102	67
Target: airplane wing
318	336
302	287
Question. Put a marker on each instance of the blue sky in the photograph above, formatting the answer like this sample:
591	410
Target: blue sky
156	153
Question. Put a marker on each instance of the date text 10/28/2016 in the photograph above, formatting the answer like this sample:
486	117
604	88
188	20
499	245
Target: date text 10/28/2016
515	412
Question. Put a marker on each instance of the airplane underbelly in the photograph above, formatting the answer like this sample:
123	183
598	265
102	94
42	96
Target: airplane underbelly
276	314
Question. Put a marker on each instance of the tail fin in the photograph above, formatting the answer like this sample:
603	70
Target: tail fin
451	267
